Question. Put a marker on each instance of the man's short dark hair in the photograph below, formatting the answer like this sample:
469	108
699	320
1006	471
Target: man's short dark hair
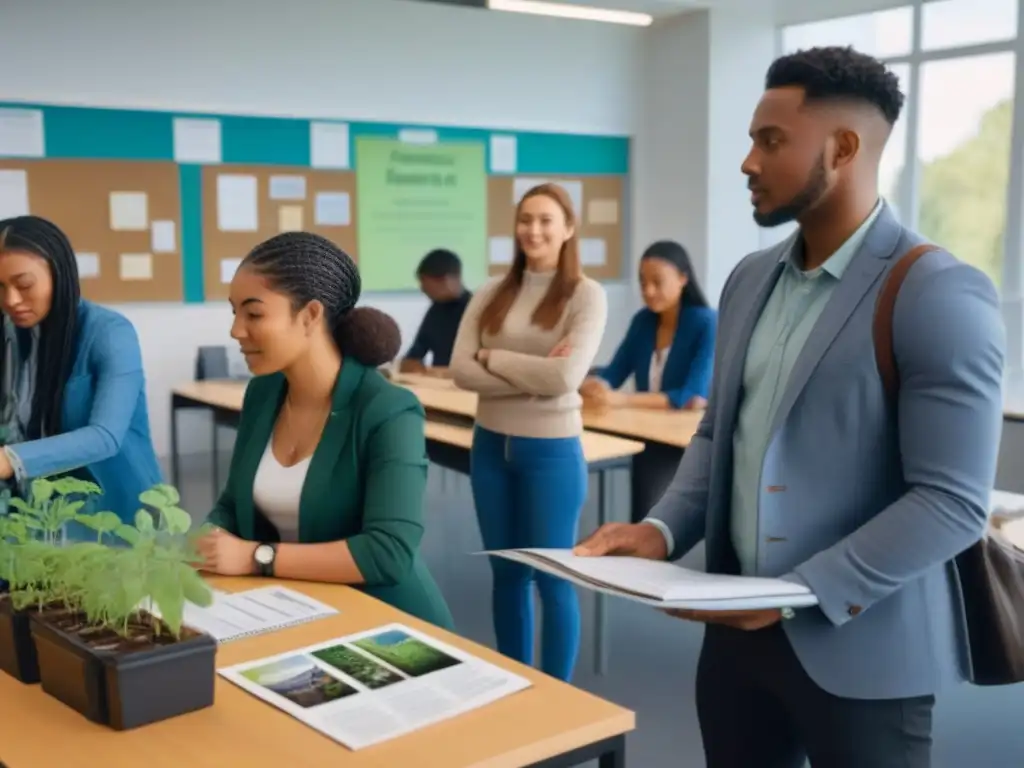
839	74
440	263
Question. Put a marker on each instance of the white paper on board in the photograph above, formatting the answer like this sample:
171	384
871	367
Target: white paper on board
289	218
228	267
88	265
21	133
333	209
237	203
287	187
503	154
574	189
418	136
329	145
129	211
197	140
603	211
164	236
500	250
593	252
13	194
136	266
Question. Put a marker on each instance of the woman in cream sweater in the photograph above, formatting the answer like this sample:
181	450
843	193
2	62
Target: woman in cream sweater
525	344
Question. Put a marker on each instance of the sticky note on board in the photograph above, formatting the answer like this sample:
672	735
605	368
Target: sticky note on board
593	252
164	236
197	140
329	145
129	211
136	266
13	193
237	203
88	265
228	267
500	250
21	132
333	209
289	218
603	211
503	154
287	187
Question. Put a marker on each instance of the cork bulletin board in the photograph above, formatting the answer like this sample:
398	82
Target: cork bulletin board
600	203
161	206
243	205
123	218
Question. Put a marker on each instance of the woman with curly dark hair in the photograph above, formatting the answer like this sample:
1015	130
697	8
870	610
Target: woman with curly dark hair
329	470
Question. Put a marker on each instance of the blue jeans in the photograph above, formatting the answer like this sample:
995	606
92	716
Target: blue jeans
529	492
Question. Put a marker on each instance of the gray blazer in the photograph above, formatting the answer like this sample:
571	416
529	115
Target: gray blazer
869	512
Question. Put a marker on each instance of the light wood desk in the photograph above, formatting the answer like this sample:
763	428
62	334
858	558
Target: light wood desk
550	724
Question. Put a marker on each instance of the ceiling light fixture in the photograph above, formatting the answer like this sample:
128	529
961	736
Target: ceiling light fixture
562	10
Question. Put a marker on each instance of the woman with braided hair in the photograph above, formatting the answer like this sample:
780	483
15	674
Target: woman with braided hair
72	389
330	466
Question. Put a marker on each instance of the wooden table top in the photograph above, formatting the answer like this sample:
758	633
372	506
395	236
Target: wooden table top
596	447
547	719
674	428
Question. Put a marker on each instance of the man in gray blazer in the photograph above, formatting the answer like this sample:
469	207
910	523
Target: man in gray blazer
802	469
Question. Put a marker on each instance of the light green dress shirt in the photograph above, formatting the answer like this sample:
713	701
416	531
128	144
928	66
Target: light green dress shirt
789	315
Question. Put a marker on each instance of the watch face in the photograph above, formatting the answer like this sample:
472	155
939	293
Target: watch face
264	554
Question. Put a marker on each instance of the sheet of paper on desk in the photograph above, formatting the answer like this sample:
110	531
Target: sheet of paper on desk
254	612
663	584
373	686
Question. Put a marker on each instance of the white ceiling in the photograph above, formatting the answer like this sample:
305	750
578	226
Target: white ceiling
786	11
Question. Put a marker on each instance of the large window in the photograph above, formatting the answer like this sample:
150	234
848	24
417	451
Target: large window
963	148
946	168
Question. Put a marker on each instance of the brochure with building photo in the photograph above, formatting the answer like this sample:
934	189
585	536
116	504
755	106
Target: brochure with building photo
373	686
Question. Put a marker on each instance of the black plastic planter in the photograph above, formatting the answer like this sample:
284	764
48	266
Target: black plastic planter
126	690
17	648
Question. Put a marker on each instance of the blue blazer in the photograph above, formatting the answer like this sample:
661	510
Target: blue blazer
687	371
105	419
867	509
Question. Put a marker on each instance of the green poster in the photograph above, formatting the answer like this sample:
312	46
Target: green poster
413	198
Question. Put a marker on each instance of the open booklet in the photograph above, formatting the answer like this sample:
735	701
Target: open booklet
369	687
234	615
663	584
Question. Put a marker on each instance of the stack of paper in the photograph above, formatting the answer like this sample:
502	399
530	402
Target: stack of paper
663	584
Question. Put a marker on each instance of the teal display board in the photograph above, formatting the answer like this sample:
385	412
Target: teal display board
395	191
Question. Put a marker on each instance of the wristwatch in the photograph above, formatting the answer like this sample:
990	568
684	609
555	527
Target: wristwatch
264	556
787	613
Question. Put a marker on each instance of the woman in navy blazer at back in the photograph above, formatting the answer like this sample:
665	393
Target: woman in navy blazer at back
72	389
670	345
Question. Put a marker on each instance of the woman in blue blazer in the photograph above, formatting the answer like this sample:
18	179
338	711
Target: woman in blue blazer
669	347
72	390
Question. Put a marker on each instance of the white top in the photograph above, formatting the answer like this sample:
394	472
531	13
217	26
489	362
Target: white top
657	368
276	491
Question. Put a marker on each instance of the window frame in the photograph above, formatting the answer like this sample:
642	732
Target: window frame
1012	289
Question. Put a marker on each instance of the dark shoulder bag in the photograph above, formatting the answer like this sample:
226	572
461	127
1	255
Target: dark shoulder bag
992	570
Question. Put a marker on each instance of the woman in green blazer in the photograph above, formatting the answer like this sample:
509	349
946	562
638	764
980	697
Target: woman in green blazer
329	470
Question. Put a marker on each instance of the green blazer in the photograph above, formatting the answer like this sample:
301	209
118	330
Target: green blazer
365	484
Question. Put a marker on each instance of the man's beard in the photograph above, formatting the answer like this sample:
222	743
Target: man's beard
806	199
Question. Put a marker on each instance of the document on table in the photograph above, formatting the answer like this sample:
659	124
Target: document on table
254	612
373	686
663	584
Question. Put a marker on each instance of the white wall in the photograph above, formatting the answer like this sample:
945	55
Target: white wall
703	73
386	60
